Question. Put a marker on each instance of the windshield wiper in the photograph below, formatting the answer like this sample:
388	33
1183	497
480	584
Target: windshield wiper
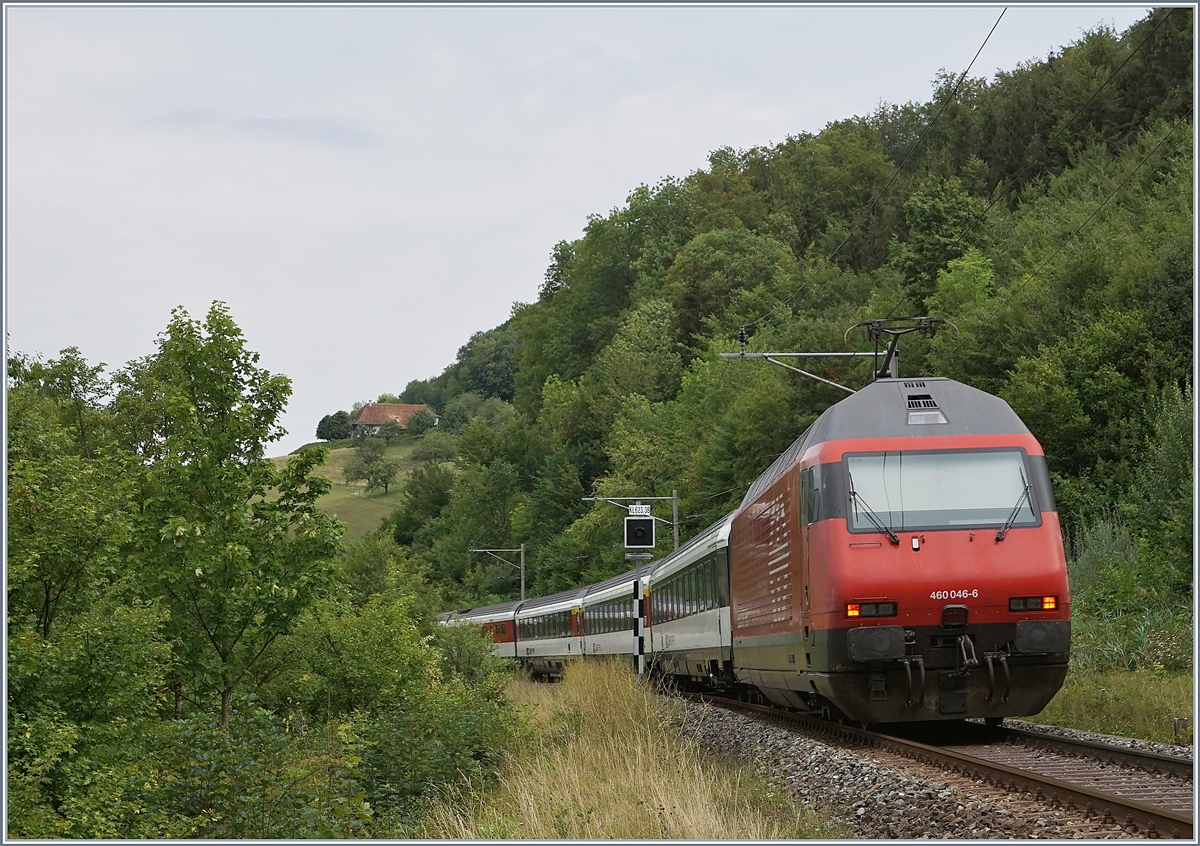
871	514
1012	518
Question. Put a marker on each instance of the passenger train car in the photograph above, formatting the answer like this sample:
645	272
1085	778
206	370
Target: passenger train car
901	561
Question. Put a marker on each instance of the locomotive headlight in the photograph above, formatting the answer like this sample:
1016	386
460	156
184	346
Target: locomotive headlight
1033	603
870	609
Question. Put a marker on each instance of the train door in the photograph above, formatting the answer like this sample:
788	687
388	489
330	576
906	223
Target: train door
808	516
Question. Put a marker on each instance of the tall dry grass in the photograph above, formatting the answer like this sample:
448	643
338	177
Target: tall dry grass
604	759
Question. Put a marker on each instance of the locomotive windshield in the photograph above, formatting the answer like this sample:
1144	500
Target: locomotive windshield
930	490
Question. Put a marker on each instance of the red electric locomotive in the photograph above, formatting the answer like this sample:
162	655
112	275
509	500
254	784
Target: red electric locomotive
903	561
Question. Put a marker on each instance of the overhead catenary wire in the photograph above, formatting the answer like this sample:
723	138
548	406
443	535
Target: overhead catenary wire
1001	191
1075	233
895	173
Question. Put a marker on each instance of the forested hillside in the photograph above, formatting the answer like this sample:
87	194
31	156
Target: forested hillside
1046	212
195	650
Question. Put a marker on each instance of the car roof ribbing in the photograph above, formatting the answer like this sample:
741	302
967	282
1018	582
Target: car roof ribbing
485	610
529	605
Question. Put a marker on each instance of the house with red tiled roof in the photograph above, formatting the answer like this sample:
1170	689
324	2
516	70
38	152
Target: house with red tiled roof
374	414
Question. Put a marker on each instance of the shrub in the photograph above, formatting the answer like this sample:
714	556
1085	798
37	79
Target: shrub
435	448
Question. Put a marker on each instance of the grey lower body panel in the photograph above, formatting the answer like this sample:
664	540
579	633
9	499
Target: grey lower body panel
873	677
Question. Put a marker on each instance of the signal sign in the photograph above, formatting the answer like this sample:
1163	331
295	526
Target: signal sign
639	510
639	532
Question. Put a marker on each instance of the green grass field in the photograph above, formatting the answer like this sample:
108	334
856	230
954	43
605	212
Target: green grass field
1130	703
362	512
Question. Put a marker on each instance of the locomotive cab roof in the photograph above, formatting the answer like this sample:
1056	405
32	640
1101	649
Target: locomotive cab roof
900	408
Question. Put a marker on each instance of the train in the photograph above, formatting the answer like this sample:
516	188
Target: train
901	561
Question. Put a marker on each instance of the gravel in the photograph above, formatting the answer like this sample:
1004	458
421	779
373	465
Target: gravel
1124	742
878	794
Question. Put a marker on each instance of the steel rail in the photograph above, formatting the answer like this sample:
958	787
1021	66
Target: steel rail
1152	762
1150	820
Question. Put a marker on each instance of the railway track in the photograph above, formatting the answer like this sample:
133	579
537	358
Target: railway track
1146	793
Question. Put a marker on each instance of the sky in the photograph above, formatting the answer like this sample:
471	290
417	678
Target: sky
366	187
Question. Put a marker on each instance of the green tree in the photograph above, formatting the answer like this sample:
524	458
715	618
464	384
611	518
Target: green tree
1158	506
435	447
334	427
715	267
376	564
425	495
369	449
379	473
237	548
421	422
942	223
389	430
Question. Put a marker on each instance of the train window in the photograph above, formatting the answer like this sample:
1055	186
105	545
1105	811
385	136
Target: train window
721	568
806	497
948	489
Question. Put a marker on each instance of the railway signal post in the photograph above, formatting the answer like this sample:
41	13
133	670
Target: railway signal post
639	535
639	610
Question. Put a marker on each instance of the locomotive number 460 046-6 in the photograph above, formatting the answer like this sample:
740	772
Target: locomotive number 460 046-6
954	594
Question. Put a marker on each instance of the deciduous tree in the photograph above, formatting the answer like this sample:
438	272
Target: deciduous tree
237	548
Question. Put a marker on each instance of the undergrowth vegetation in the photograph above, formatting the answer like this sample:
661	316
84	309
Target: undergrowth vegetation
602	757
1130	567
197	649
1127	703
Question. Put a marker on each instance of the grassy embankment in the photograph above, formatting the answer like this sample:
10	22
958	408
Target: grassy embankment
1131	675
1129	703
350	503
1131	648
602	759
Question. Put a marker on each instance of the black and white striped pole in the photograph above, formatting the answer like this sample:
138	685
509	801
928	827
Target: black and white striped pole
639	612
639	534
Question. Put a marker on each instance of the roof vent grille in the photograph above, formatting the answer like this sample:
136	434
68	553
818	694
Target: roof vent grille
921	401
914	384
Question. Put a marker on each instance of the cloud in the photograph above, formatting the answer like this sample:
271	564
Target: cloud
329	132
